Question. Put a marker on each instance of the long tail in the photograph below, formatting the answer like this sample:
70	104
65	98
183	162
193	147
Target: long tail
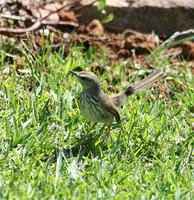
119	98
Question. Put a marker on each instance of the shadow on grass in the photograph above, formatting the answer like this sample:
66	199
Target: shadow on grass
90	146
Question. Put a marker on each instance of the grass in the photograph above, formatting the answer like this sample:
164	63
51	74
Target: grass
42	153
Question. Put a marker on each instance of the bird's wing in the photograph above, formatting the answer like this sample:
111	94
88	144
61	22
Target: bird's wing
110	106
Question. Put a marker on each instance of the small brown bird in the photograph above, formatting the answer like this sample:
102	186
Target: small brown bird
96	106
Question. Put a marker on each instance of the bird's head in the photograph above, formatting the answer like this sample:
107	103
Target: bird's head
87	79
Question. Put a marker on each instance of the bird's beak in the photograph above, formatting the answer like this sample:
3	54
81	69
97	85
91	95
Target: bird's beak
73	72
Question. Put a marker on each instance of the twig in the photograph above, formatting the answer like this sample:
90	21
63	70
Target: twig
10	31
35	26
8	54
14	17
44	22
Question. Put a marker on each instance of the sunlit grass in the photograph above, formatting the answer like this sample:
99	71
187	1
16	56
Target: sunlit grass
47	153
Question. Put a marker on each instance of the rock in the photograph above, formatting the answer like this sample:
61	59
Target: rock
160	16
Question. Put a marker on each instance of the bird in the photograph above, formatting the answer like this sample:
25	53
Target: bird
98	107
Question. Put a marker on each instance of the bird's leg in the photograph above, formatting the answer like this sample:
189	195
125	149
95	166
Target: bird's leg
107	132
122	132
90	128
86	138
88	131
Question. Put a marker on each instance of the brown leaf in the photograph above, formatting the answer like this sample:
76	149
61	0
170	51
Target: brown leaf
95	28
53	17
28	4
140	42
124	53
188	50
67	16
52	6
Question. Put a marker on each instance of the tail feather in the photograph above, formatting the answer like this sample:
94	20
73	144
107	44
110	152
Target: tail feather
119	98
152	78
